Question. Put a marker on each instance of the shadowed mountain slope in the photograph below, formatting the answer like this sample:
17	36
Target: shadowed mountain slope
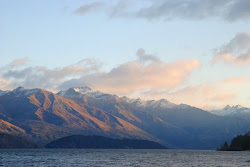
45	116
42	116
100	142
10	141
180	126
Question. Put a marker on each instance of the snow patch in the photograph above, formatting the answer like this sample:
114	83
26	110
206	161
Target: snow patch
84	91
231	111
4	92
21	91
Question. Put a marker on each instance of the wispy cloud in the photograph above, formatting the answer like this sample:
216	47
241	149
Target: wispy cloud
83	10
184	9
238	10
236	51
144	57
223	97
235	80
147	76
146	72
18	62
208	95
138	75
230	10
40	76
213	95
4	84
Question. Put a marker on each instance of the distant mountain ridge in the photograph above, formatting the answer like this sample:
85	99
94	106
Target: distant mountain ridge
99	95
237	111
3	92
43	116
168	122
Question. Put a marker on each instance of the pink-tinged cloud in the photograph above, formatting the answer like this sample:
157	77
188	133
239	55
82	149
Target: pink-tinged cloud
213	95
224	97
134	76
4	84
236	51
43	77
137	75
223	57
208	96
146	72
236	80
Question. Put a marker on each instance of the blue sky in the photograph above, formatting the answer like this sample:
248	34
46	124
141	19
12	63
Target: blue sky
47	39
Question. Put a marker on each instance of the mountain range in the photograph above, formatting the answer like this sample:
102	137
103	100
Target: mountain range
42	116
237	111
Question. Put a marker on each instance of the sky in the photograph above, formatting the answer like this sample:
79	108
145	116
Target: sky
186	51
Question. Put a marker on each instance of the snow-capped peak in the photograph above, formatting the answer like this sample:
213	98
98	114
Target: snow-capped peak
138	102
21	91
228	107
4	92
150	103
231	111
83	91
163	103
238	106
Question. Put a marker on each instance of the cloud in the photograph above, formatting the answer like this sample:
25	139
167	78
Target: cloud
4	84
208	96
236	51
43	77
90	63
144	57
137	75
213	95
205	95
146	72
123	8
239	10
239	42
235	80
147	77
18	62
83	10
184	9
224	97
230	10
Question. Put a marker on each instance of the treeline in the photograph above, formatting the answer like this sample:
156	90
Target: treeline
239	143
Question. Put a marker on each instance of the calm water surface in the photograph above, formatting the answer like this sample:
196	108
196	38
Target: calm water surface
116	158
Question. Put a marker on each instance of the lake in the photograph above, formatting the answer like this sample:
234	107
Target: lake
117	158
